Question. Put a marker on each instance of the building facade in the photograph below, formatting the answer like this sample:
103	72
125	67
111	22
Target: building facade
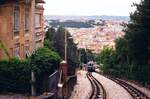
21	27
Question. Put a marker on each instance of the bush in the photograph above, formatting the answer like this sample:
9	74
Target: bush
107	58
141	73
44	62
15	76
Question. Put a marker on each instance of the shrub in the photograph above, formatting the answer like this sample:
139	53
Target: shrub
14	76
44	62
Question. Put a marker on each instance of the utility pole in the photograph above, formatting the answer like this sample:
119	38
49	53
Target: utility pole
33	93
65	46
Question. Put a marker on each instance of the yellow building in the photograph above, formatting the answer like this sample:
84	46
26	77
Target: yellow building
21	27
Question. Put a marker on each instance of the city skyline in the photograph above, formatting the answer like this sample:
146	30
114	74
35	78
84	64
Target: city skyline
89	7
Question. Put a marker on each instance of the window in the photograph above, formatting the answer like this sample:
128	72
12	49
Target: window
26	19
37	20
27	1
16	19
27	49
17	50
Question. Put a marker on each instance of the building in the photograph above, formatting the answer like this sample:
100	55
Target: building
21	27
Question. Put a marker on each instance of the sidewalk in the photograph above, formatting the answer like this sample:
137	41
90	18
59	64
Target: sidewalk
83	87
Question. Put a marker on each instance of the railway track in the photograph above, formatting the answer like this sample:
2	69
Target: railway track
134	92
98	90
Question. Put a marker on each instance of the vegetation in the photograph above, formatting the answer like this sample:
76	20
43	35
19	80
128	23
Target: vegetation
15	74
70	23
44	62
86	55
106	59
132	55
83	56
57	42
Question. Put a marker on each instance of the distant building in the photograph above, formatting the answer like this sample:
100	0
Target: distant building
21	27
98	37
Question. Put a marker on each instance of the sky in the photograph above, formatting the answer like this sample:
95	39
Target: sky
89	7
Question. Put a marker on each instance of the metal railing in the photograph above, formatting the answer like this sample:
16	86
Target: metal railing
68	86
53	82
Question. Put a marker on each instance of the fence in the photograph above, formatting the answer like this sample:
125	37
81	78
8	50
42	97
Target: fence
68	86
53	84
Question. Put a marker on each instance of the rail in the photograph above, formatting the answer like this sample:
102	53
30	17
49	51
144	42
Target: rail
53	84
68	86
98	91
134	92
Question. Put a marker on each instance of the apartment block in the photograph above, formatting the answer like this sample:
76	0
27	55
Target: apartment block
21	27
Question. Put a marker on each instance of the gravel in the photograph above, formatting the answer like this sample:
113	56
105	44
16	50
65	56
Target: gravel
13	96
146	91
82	89
113	90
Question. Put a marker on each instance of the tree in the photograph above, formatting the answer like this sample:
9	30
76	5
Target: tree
57	38
83	56
107	58
72	55
133	49
49	38
44	62
90	55
138	33
122	50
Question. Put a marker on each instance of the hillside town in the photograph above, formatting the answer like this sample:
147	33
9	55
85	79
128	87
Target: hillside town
90	33
97	37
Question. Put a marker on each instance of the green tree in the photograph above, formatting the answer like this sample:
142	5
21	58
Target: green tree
138	41
137	33
57	38
122	50
107	59
44	62
49	38
90	55
83	56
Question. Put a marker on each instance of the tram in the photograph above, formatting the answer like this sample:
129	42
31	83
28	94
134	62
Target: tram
90	66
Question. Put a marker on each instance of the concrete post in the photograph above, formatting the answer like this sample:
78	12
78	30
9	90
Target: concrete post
33	93
64	68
